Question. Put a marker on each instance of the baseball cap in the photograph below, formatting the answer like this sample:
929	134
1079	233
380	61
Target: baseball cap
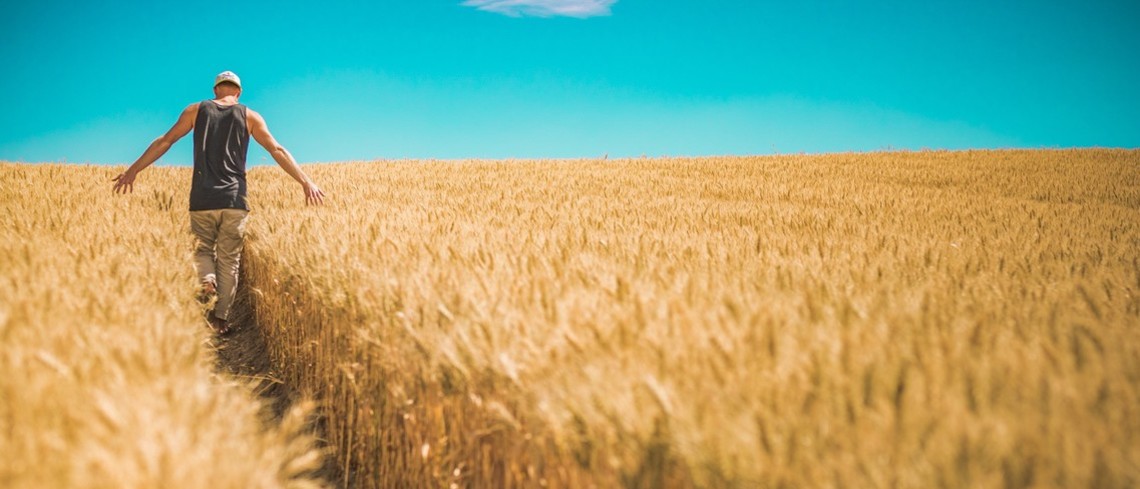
227	76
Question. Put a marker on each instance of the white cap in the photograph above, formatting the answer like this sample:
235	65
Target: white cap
227	76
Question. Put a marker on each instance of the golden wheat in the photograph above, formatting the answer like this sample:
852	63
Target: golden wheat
931	319
955	319
107	372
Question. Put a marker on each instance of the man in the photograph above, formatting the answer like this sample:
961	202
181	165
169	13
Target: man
218	208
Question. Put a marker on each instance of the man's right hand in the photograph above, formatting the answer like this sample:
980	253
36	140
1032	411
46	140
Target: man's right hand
313	194
260	133
124	182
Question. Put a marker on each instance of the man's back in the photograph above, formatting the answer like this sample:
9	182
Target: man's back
221	143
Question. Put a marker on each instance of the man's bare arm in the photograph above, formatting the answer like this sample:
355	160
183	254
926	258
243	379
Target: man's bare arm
260	132
125	182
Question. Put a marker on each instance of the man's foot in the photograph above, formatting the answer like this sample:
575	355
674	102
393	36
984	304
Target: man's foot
221	326
206	292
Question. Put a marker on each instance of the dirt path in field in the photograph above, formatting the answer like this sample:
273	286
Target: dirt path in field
243	354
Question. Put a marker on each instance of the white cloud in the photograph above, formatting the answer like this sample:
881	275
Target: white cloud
544	8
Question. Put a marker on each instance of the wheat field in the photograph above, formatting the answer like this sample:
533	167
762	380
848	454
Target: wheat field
907	319
107	372
927	319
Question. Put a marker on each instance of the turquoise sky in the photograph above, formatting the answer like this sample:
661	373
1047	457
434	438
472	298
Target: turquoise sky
97	81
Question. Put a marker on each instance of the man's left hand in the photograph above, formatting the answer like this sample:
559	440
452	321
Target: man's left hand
313	194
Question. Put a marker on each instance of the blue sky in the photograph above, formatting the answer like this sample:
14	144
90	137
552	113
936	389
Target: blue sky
97	81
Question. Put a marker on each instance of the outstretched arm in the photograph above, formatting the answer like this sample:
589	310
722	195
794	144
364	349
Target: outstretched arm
125	181
260	132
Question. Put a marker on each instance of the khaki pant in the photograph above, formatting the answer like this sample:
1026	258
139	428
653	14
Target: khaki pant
220	234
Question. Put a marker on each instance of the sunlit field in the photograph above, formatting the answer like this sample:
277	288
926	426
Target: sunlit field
914	319
105	370
932	319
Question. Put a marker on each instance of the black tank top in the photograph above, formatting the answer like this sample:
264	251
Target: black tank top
221	140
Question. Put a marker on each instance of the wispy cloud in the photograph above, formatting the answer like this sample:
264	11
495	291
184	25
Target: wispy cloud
544	8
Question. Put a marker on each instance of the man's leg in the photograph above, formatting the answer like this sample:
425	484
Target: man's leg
204	225
231	238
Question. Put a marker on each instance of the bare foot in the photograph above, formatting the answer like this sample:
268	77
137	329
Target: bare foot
221	326
206	292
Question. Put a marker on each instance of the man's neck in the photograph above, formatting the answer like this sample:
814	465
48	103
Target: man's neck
226	100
